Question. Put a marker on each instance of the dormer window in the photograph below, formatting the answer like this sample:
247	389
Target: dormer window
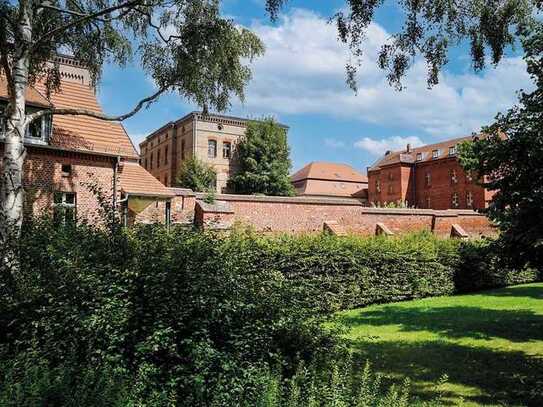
419	156
39	130
452	150
435	154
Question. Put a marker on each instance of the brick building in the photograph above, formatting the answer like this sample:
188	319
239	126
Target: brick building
329	179
211	138
69	156
426	177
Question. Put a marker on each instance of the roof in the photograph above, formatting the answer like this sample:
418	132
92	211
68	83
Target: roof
329	172
33	97
135	180
78	133
404	156
84	133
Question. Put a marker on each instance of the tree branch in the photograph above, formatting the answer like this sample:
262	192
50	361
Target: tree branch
85	112
86	18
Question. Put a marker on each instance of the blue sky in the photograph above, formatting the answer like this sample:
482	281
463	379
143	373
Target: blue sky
301	81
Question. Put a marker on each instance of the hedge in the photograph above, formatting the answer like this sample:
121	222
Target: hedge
349	272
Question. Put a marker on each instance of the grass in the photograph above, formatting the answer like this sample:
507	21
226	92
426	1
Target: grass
489	344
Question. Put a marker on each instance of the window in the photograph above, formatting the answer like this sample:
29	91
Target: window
390	189
212	148
166	180
419	156
226	149
428	203
66	170
469	176
378	186
428	179
390	176
454	201
435	154
469	199
158	158
166	155
2	121
452	150
64	207
145	163
182	149
151	161
454	177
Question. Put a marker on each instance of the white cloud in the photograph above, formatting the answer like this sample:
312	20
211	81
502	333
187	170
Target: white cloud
334	143
379	147
303	71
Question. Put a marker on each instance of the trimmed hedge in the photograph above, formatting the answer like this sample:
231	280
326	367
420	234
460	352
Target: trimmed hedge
350	272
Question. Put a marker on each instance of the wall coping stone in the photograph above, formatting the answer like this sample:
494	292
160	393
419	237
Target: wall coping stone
287	199
215	207
182	191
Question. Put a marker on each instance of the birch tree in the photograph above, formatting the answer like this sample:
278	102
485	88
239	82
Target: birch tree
185	46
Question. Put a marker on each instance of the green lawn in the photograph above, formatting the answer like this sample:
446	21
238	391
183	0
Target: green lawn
490	344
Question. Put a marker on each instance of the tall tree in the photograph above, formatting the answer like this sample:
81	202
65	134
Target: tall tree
428	29
185	46
263	156
510	161
197	175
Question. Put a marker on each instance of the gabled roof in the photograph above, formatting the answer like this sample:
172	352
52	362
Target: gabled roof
135	180
83	133
33	97
403	156
329	172
78	133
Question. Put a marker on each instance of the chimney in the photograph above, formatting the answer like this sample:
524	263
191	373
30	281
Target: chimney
408	148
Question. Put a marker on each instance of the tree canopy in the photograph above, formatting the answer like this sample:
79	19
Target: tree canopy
510	161
197	175
264	163
429	28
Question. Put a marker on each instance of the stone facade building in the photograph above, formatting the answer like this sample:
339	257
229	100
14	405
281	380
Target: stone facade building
69	158
329	179
210	138
426	177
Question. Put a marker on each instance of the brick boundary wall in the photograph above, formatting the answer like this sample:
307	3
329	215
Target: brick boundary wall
345	215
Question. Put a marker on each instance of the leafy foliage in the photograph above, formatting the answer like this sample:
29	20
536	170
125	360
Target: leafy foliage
428	29
184	46
197	175
509	161
263	156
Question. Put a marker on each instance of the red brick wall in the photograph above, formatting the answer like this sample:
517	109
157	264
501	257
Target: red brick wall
304	215
43	176
410	182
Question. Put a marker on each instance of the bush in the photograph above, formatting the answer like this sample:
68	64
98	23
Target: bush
148	316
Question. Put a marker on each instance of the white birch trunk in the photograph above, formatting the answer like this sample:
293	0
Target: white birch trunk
12	192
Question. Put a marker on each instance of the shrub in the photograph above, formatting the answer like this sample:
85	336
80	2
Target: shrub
197	175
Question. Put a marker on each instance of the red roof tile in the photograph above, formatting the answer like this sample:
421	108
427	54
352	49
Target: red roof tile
135	180
330	172
33	97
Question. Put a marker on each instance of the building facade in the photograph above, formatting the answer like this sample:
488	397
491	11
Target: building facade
210	138
329	179
427	177
71	158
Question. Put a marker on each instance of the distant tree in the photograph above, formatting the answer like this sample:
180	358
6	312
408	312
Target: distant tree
263	155
197	175
428	29
186	47
509	160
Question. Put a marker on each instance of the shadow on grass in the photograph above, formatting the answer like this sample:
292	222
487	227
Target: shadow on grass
503	377
456	322
535	292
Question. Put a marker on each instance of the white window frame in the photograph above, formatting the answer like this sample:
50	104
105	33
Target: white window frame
225	149
64	204
452	150
454	177
469	199
211	151
436	154
419	157
455	200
